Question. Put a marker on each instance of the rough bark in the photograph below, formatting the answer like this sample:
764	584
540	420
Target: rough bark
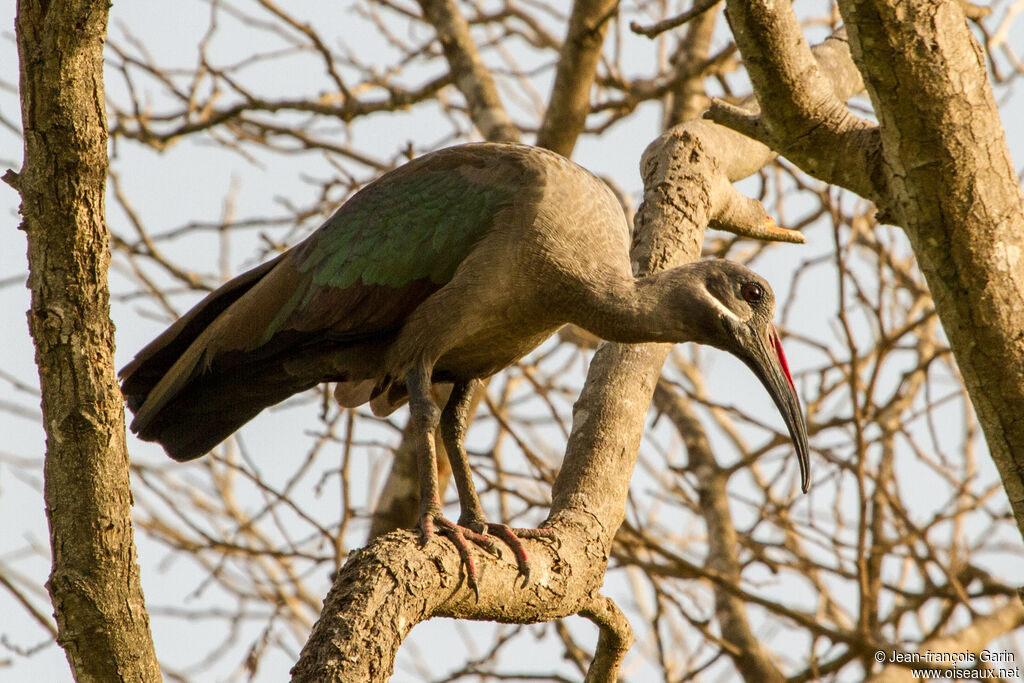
936	164
954	190
94	584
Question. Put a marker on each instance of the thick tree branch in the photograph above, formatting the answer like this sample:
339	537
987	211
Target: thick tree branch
802	112
739	155
732	211
937	165
94	584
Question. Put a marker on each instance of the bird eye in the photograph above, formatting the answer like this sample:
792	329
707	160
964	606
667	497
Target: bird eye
752	293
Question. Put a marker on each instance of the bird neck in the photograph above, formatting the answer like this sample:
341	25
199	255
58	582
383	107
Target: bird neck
629	311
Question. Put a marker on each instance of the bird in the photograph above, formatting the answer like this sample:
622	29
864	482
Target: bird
447	269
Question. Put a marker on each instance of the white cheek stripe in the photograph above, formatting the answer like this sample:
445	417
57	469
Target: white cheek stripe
723	308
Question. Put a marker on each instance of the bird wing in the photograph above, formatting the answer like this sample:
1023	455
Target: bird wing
413	225
357	278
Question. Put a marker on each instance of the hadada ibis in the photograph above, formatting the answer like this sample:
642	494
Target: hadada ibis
447	269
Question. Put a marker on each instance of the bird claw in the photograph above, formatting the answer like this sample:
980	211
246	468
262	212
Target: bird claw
434	524
476	532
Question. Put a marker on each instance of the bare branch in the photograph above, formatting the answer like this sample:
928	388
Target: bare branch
615	639
569	103
470	76
657	29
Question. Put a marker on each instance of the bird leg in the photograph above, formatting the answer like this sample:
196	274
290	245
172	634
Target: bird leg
453	431
423	418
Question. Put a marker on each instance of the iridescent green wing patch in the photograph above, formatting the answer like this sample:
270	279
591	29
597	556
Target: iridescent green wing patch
403	229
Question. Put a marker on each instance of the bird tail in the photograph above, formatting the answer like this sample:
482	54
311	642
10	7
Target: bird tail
189	406
212	406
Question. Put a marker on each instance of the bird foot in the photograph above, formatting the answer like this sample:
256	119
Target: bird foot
513	539
479	532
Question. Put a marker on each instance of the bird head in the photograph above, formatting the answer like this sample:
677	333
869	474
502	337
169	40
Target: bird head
735	313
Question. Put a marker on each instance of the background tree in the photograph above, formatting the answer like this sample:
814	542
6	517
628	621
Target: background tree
907	540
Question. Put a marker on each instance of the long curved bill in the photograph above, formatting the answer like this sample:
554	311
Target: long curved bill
768	362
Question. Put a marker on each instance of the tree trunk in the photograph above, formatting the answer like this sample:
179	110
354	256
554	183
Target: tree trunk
953	188
94	584
935	164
